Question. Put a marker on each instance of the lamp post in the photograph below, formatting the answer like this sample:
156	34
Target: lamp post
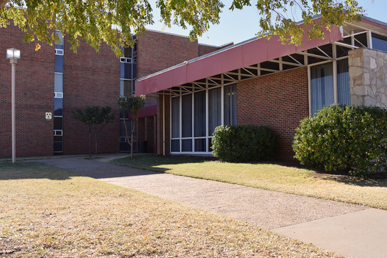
13	55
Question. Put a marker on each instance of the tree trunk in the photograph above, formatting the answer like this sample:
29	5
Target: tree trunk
96	139
131	146
89	141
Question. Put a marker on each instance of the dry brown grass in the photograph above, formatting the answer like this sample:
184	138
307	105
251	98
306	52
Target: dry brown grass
49	212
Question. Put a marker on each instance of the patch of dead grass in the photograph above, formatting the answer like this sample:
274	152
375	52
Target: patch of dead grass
49	212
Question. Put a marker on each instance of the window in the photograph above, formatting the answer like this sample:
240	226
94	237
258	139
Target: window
343	90
214	109
58	123
58	83
58	107
187	115
321	86
200	114
58	64
379	42
59	45
126	88
230	105
195	116
176	117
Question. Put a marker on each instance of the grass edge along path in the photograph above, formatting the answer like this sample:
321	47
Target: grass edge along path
50	212
268	176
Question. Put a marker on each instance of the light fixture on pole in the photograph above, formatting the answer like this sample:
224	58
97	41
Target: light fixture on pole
13	55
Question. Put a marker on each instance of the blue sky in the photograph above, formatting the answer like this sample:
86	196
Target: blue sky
239	25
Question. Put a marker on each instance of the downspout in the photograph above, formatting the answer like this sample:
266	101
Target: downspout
163	124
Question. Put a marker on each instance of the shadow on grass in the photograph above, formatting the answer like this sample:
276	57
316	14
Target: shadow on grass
153	162
31	170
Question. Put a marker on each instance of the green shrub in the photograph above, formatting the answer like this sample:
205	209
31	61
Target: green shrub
344	137
244	143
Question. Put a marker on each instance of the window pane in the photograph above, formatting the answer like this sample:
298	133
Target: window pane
60	36
343	91
134	75
200	114
122	127
361	40
321	86
209	144
58	107
230	105
58	64
379	42
125	88
58	83
187	116
176	117
175	145
342	51
128	124
58	123
187	145
127	51
126	71
58	146
200	145
214	109
234	104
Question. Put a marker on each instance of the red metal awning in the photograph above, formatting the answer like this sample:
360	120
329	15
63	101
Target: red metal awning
228	59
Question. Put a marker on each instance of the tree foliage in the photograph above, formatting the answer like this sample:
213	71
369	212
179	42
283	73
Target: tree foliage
96	118
97	21
131	106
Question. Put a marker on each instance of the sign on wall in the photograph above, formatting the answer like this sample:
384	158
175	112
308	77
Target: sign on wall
48	116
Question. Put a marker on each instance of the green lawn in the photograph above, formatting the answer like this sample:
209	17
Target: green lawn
270	176
50	212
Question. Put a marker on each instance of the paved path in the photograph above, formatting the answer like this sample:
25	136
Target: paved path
351	230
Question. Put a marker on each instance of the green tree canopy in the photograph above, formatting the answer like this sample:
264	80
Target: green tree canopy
98	21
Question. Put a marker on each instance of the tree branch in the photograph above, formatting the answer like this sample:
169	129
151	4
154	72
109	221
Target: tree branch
2	3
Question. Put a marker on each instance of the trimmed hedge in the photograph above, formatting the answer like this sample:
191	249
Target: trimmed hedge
244	143
344	137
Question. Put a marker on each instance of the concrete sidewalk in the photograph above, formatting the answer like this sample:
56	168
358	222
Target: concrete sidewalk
351	230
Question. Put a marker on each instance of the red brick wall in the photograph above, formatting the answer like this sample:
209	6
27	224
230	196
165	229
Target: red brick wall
160	125
34	96
278	101
93	79
157	51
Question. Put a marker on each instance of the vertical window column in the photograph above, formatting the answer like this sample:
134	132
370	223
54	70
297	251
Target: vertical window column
58	95
128	74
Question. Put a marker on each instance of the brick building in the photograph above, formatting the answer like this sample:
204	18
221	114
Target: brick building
56	80
263	82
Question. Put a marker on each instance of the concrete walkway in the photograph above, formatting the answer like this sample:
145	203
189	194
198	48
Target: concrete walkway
351	230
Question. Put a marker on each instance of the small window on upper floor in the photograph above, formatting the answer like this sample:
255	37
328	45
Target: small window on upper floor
59	42
379	42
